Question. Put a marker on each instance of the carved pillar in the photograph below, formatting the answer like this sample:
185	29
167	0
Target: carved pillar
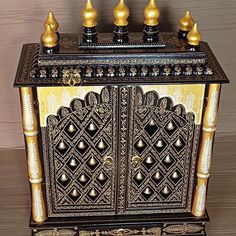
205	153
33	159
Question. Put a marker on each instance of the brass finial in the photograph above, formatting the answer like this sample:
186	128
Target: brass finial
51	20
194	36
151	14
121	14
49	37
89	15
186	23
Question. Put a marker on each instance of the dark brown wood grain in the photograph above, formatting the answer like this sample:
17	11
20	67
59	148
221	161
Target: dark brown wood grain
15	195
22	22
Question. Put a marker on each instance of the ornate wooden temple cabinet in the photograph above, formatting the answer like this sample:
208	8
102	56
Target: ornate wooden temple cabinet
119	127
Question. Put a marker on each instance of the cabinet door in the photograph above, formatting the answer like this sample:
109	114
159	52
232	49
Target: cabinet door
161	153
79	147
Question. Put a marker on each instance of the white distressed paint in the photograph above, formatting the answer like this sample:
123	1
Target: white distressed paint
38	211
28	112
207	154
201	199
33	160
213	108
190	102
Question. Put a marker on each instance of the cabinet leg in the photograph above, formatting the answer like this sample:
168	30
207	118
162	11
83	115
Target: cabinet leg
205	154
33	159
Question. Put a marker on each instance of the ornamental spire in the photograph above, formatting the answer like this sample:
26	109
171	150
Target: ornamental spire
49	37
121	14
186	23
194	36
151	14
51	20
89	15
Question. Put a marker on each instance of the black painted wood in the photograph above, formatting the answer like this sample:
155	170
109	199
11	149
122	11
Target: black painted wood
121	34
116	222
182	35
150	34
102	67
90	35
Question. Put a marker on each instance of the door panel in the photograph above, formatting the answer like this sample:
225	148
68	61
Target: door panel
121	151
79	145
162	155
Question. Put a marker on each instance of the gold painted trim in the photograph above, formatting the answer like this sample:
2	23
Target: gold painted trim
57	232
209	129
35	181
33	159
120	232
190	96
205	154
30	133
120	62
203	176
52	98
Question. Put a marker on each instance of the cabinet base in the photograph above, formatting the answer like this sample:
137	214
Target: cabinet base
143	225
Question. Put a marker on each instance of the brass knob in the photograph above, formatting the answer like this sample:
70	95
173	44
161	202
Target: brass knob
136	160
108	162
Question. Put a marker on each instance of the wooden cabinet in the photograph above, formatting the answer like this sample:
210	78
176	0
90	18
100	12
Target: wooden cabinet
119	144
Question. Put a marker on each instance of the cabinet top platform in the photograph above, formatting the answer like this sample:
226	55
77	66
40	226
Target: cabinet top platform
76	63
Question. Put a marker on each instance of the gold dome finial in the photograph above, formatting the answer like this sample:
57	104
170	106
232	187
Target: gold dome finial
151	14
121	14
49	37
186	23
51	20
194	36
89	15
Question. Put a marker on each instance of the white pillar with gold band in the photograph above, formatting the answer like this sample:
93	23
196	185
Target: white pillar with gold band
33	159
205	152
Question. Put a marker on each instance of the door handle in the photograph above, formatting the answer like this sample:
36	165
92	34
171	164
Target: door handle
136	160
108	162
